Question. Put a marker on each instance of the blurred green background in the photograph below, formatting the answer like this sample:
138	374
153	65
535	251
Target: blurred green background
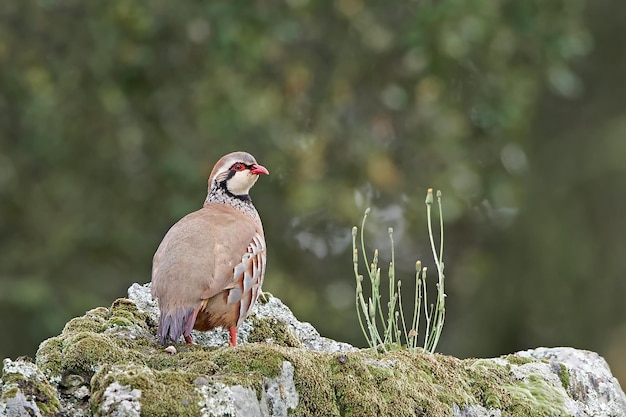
113	112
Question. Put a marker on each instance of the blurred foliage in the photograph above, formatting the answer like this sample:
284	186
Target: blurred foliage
112	113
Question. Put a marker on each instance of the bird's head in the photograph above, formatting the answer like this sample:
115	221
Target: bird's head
236	173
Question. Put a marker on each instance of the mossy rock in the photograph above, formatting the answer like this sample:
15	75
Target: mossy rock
22	381
108	362
115	351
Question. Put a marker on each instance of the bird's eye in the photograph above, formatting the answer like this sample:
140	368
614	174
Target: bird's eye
238	167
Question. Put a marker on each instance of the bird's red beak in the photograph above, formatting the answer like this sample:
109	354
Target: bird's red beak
259	169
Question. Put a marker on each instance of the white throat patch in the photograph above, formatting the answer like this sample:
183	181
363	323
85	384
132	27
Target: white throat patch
241	182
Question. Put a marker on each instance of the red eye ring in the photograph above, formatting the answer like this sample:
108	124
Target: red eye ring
238	167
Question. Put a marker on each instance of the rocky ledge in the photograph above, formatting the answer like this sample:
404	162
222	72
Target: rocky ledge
108	363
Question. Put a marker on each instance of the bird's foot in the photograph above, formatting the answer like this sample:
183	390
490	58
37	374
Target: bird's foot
188	340
233	336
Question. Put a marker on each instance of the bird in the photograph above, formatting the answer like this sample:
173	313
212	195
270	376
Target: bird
209	268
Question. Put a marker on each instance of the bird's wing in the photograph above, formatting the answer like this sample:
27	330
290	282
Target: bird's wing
211	250
198	255
248	277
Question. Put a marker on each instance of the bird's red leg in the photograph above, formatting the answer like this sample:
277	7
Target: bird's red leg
233	336
190	323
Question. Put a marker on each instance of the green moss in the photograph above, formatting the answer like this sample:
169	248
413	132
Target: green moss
264	297
518	360
108	345
564	376
494	386
125	311
49	356
201	366
83	346
85	351
485	381
313	383
271	330
40	391
183	399
263	359
351	383
101	312
534	396
364	384
163	393
190	358
124	304
45	397
10	393
84	324
119	321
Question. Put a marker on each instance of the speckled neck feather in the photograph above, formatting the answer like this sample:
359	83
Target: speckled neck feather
220	194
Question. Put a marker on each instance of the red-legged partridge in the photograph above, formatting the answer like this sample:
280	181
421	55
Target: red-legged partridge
209	268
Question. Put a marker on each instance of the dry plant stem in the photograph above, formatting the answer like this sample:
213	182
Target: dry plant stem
391	329
370	312
367	309
437	312
417	303
360	302
408	339
427	312
441	295
374	301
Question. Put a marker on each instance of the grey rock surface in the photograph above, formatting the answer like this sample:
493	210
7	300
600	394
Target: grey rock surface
108	363
592	388
476	411
272	310
280	394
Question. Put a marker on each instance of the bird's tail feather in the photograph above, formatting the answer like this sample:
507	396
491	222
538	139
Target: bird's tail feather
175	323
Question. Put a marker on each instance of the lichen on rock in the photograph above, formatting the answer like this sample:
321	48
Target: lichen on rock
108	363
25	389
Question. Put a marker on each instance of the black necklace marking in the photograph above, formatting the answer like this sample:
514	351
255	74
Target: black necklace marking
224	187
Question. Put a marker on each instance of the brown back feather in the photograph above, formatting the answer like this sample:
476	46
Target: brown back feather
196	258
